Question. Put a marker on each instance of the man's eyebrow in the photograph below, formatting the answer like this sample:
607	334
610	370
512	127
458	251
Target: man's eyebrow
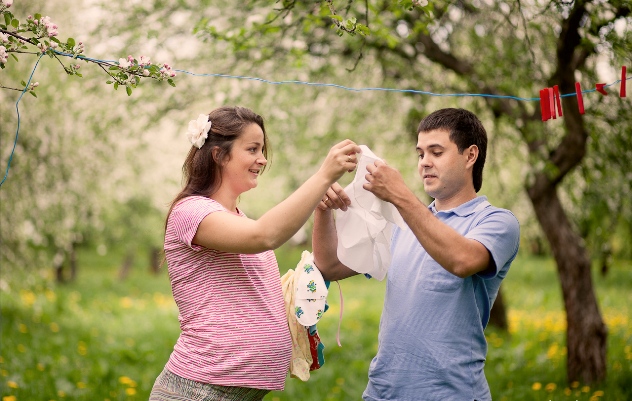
434	145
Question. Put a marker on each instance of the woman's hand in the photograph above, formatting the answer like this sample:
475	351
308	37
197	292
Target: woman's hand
340	159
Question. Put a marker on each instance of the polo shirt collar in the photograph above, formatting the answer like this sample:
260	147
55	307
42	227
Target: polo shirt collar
464	209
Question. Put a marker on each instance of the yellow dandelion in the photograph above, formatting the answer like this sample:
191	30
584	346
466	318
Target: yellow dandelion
1	359
550	387
585	389
23	329
50	295
82	348
4	373
575	384
126	302
130	391
61	393
536	386
54	327
9	398
340	381
81	385
40	367
567	391
12	384
335	390
28	298
598	393
552	352
127	381
21	348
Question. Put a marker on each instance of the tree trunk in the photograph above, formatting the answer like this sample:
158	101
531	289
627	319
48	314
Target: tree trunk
498	314
586	333
126	266
72	259
154	260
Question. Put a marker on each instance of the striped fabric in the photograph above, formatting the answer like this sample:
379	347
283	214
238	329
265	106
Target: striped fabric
234	330
169	387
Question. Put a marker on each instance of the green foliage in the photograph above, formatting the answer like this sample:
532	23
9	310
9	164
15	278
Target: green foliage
100	339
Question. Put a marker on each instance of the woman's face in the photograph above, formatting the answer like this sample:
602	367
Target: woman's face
246	160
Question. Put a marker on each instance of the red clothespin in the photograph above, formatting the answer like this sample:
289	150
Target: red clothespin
600	89
623	79
556	93
552	102
545	108
580	98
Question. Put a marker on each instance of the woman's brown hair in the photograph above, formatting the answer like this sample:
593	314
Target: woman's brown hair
202	169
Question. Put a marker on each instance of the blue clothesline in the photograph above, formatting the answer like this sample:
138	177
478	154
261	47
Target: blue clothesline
294	82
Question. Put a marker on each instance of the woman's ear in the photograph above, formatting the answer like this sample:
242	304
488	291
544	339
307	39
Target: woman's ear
218	156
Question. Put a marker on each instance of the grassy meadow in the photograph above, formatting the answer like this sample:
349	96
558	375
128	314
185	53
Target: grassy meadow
100	338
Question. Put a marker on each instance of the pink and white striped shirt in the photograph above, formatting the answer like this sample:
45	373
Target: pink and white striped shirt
231	309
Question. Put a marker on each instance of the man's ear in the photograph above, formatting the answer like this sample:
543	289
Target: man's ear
472	155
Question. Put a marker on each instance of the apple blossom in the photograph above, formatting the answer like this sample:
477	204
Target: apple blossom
123	63
4	56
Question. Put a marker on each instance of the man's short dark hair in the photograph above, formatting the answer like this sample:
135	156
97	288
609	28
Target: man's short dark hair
465	130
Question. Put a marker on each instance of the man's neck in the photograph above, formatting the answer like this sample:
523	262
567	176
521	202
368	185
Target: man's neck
455	201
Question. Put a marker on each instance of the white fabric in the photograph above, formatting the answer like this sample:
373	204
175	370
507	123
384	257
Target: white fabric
364	230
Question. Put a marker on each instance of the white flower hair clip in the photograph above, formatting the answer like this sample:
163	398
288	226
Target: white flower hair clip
198	130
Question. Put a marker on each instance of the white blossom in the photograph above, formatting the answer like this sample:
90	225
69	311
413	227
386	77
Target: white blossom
123	63
198	130
4	56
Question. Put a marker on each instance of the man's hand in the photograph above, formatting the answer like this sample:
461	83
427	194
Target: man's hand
335	198
386	182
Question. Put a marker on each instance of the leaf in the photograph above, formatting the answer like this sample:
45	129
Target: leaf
336	17
13	55
170	82
71	42
109	82
37	16
15	23
33	93
116	84
54	39
7	18
22	83
129	90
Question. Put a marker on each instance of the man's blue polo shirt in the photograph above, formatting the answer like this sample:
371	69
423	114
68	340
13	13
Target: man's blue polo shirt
431	340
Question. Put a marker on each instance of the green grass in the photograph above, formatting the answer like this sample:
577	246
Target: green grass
102	339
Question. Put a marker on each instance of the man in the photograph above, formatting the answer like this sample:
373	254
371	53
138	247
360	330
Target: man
446	266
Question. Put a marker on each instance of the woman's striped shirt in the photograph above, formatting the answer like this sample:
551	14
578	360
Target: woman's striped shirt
231	310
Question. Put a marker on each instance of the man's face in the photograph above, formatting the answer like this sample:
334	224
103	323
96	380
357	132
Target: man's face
444	171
